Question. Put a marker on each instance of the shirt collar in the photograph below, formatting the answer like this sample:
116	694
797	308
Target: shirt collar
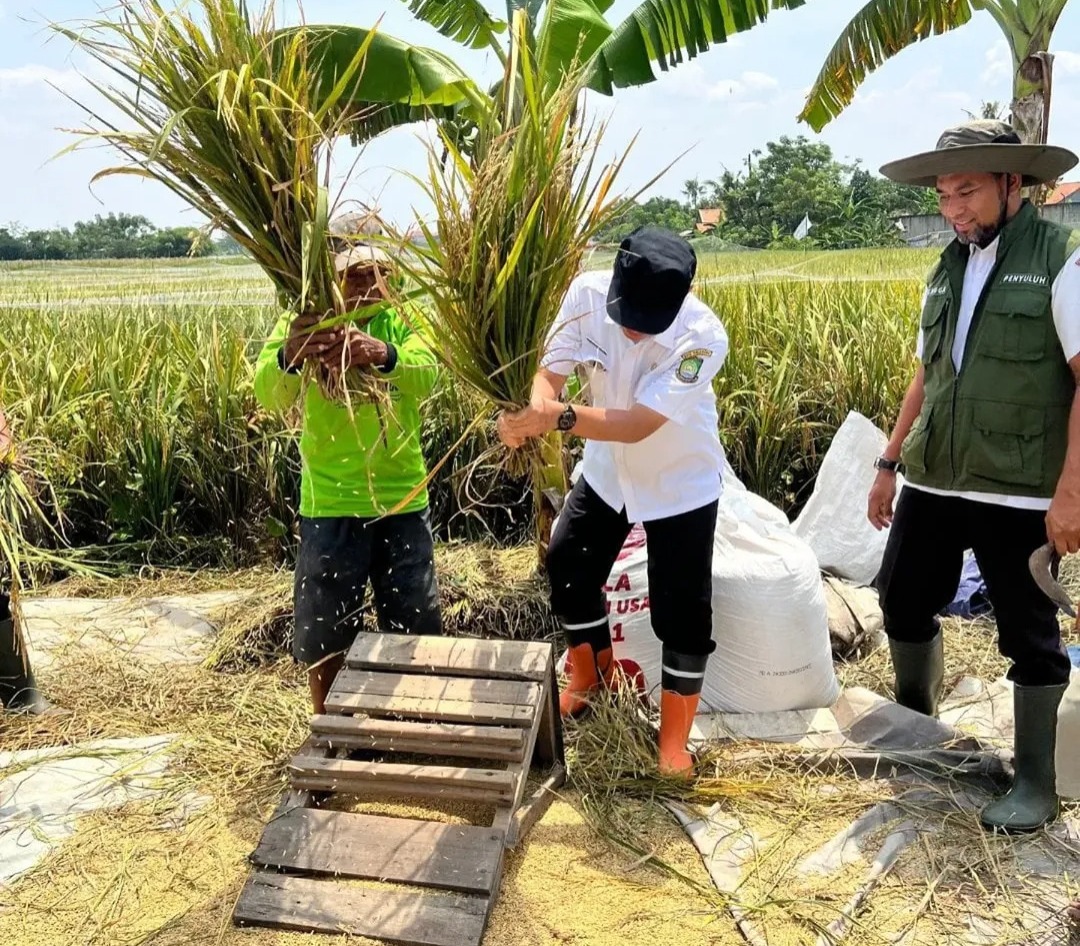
990	250
666	339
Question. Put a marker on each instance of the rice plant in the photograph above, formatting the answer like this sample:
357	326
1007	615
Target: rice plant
510	230
235	117
136	404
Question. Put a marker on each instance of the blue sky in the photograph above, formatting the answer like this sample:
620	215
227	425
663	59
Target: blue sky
719	106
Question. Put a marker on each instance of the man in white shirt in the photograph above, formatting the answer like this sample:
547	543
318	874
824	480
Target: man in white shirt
989	438
650	350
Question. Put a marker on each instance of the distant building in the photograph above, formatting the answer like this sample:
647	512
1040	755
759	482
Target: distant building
1068	193
709	218
1063	206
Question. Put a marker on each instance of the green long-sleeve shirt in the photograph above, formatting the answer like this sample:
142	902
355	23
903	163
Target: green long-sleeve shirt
363	464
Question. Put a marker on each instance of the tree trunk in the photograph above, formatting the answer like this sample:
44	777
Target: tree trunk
1032	88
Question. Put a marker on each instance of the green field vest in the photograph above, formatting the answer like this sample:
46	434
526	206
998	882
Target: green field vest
1001	424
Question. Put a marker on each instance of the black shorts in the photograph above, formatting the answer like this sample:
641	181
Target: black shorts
337	557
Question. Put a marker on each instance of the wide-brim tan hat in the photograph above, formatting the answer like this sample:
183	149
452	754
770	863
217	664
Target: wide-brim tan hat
983	146
360	255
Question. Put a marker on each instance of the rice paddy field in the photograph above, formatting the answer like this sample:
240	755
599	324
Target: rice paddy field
130	388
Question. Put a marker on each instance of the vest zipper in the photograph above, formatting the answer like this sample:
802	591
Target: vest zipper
976	320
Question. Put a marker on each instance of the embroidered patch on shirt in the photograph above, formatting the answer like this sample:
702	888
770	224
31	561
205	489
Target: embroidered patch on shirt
690	365
1030	279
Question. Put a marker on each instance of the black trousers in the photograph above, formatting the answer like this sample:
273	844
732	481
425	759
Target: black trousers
583	549
337	558
921	569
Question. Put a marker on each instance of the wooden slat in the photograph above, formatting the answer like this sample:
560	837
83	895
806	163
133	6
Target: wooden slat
397	850
464	657
396	790
430	687
452	750
493	781
549	748
424	918
434	733
449	711
393	735
532	808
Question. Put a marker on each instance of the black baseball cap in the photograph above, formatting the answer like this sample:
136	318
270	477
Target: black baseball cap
653	272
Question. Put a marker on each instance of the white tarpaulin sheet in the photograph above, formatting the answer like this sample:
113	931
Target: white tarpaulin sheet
43	792
938	768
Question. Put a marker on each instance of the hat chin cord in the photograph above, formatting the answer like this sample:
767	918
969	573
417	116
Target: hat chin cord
1003	218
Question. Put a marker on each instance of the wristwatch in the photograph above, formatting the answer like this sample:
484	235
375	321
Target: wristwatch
567	419
883	463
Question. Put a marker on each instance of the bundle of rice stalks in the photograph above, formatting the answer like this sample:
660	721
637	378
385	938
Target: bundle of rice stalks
612	755
237	119
25	526
483	592
511	228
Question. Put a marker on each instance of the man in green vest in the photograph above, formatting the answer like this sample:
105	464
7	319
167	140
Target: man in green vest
989	439
363	500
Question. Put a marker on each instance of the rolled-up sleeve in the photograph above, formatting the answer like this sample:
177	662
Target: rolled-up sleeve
562	350
683	376
1065	303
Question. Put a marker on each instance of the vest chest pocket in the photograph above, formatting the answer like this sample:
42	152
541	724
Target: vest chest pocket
1007	443
932	324
914	448
1015	326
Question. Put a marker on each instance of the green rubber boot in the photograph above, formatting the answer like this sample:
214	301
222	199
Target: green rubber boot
1032	801
920	674
18	691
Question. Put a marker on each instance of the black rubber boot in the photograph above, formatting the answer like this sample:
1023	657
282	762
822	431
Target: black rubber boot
920	674
1032	801
18	691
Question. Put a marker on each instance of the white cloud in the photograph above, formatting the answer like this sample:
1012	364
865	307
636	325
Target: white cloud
759	80
999	66
33	75
924	85
998	63
691	81
1066	63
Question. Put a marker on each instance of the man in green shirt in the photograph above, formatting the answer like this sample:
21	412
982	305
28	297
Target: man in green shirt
989	438
363	502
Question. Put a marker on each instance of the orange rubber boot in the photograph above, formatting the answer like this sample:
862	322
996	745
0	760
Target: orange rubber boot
676	718
589	670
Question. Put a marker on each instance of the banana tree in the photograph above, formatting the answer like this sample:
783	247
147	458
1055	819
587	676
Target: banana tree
406	83
656	34
883	28
400	83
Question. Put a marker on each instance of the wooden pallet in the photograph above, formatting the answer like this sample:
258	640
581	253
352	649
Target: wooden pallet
479	714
